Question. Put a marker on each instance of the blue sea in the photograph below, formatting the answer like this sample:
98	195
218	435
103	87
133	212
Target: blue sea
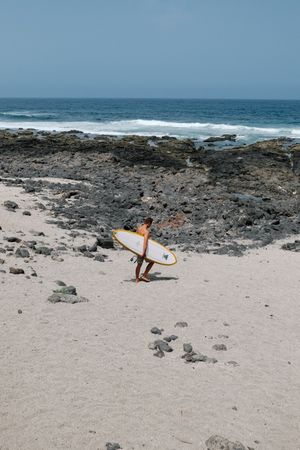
251	120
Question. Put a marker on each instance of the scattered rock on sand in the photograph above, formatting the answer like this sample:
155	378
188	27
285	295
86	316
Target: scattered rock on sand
187	348
60	283
181	324
22	252
292	246
156	330
11	206
112	446
220	443
219	347
16	271
12	239
43	250
170	338
66	298
198	357
67	290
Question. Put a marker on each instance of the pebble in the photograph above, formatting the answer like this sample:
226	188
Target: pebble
162	346
10	205
112	446
16	271
187	348
22	252
20	311
156	330
181	325
219	347
220	443
26	213
60	283
67	290
170	338
159	354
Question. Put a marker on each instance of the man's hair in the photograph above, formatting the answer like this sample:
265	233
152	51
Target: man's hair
148	221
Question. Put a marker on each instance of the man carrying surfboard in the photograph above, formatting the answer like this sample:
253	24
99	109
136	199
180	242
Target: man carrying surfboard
144	230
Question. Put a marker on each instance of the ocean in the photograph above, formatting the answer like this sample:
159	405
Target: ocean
251	120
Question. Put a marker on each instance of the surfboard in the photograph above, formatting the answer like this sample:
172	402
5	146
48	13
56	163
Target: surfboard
156	252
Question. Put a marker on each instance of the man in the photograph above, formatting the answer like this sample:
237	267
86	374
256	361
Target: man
144	230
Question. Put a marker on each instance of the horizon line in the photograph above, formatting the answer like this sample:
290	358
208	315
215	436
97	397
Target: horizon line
145	98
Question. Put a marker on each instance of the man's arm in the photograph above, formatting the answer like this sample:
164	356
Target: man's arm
146	239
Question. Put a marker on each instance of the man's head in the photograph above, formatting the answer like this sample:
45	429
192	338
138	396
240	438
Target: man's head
148	221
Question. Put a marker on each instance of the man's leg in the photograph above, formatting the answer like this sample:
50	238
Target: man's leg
148	268
137	272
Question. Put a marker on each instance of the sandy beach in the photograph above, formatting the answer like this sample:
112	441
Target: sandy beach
81	375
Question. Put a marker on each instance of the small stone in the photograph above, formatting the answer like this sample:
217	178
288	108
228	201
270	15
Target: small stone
99	257
16	271
66	298
181	324
2	261
187	348
170	338
46	251
231	363
67	290
22	252
220	443
162	346
20	311
223	336
112	446
226	324
234	408
159	354
156	330
60	283
26	213
13	239
152	346
219	347
10	206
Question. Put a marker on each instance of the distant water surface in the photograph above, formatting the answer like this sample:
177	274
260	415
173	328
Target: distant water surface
251	120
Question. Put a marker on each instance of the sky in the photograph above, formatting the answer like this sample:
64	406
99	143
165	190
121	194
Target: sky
150	48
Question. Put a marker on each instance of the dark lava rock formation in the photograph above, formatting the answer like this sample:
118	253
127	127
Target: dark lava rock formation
204	199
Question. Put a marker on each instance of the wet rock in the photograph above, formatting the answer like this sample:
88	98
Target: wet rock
16	271
187	348
219	347
66	298
22	252
10	205
156	330
220	443
181	324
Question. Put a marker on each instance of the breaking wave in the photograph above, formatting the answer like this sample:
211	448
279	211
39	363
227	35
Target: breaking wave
141	127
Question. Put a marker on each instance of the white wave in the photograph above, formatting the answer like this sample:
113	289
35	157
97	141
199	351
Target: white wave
29	114
141	127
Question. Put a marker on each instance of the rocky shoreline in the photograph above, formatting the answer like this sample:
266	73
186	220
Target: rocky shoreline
202	199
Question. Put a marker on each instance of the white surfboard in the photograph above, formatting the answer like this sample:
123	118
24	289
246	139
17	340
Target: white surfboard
155	252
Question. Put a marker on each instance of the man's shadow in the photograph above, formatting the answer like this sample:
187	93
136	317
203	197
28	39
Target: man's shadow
154	277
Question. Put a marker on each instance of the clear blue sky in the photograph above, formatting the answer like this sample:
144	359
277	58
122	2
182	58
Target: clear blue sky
150	48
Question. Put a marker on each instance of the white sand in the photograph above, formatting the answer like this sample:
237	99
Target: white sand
78	376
